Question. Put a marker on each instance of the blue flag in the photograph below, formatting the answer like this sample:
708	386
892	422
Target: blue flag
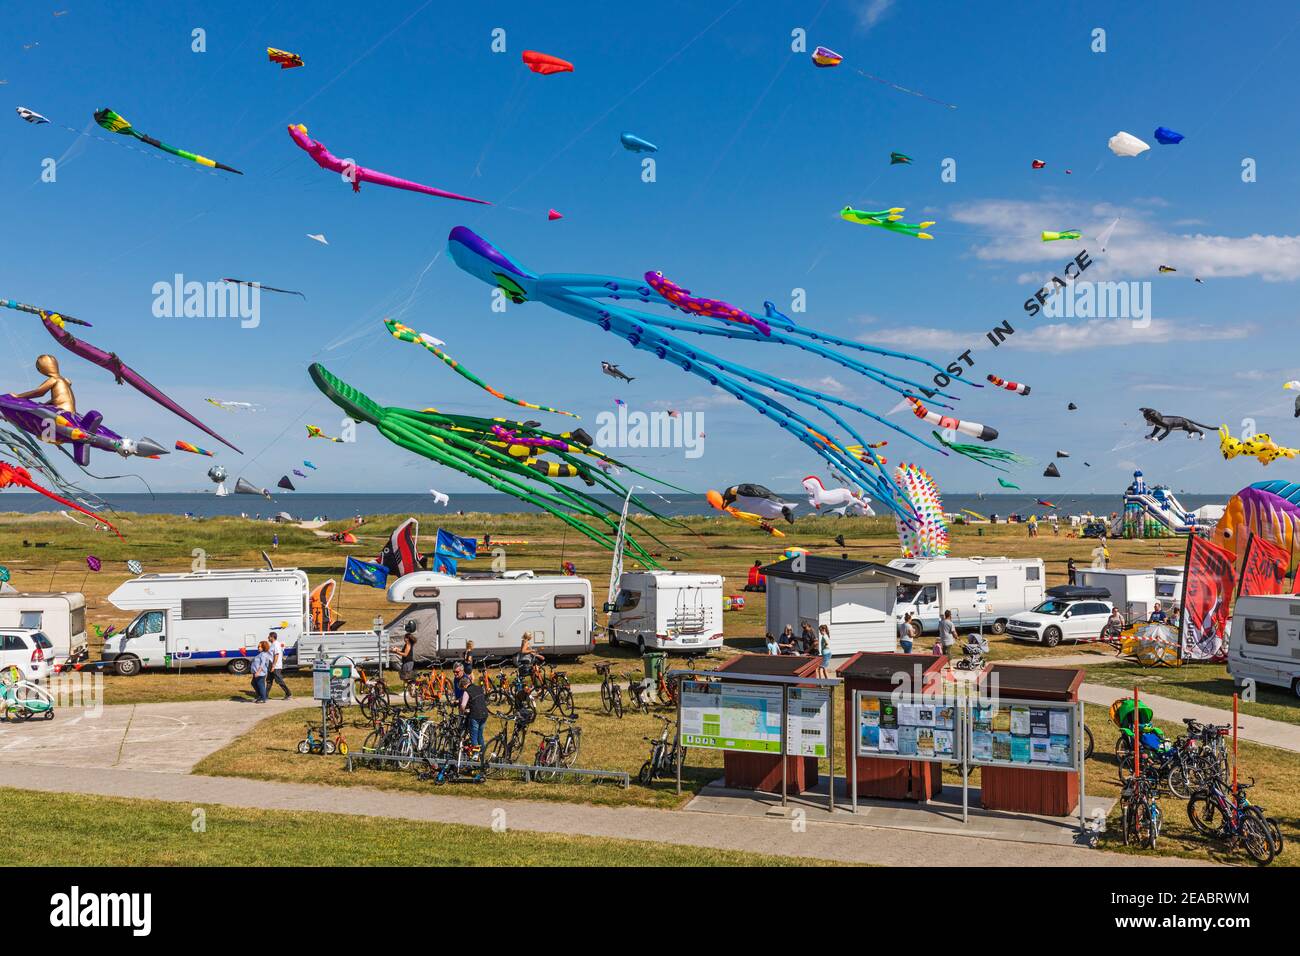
444	564
363	572
454	546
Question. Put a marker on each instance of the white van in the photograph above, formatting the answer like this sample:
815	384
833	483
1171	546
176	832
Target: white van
972	588
217	619
668	611
1264	641
59	615
493	610
1132	591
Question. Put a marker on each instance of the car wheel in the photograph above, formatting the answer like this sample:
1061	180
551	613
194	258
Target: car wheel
998	627
915	628
1295	686
239	666
613	638
127	666
640	645
1052	636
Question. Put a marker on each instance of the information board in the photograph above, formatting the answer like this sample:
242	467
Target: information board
720	716
907	726
1042	735
808	723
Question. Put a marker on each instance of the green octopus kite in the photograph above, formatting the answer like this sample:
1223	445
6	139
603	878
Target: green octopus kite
984	454
506	456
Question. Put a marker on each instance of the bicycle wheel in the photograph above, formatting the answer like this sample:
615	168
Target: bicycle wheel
564	702
334	715
1089	745
1203	813
607	698
1184	781
1255	837
412	696
1271	828
1123	756
618	702
645	774
570	746
1150	816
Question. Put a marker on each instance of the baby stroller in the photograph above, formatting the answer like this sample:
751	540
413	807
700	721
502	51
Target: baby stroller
20	699
972	653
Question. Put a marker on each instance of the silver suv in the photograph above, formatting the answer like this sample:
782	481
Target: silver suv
1070	613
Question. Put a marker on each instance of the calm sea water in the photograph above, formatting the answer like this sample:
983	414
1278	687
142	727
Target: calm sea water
337	506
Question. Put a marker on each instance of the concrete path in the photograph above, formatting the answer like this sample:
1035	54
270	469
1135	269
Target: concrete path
827	841
1260	730
162	738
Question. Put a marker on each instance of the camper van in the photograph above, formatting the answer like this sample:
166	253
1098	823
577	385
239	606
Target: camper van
667	611
59	615
217	618
974	589
1264	642
493	610
1132	591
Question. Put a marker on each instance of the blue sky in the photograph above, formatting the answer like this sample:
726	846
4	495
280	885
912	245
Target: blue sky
758	152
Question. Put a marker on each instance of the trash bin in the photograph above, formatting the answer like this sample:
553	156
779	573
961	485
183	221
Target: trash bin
654	664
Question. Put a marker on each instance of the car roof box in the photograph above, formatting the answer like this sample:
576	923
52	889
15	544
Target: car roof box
1077	592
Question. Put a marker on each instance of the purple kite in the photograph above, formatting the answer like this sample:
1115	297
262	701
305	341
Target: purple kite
358	174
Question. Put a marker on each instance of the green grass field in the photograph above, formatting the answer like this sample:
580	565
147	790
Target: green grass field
106	831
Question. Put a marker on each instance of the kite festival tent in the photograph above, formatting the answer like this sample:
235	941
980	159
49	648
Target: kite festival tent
855	599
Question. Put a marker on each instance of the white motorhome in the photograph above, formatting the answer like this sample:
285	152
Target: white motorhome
217	618
60	615
1264	642
1169	586
991	589
667	611
1134	592
493	610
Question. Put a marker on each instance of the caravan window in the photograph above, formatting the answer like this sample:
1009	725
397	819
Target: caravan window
991	582
478	609
963	584
205	609
1031	573
30	619
1263	633
567	602
627	600
78	621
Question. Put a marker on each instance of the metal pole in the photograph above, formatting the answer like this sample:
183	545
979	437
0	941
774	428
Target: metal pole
851	747
1078	753
963	714
830	744
785	719
681	688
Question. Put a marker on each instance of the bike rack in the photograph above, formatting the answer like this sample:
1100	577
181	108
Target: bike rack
621	777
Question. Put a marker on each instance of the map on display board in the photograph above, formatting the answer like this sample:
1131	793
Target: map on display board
720	716
808	722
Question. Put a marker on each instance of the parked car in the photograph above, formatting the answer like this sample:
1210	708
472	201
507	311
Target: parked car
28	650
1070	613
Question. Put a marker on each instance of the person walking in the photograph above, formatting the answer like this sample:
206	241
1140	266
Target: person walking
824	649
473	704
275	674
905	632
261	663
947	632
406	653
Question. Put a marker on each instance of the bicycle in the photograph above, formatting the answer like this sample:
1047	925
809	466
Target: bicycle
315	744
1140	813
663	755
507	746
1239	822
558	749
611	695
638	690
371	695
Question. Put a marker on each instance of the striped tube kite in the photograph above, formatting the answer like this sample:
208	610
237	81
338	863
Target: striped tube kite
193	449
467	444
1009	386
117	123
607	302
404	333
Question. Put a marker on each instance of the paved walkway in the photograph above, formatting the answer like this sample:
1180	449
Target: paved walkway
1260	730
827	841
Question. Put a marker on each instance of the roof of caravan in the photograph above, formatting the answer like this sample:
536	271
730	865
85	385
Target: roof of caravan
423	579
70	595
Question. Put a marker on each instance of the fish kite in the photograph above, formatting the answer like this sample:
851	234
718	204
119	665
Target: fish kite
55	324
1259	446
193	449
286	59
357	175
887	219
22	478
716	500
268	288
610	303
1009	386
31	115
636	144
899	159
1006	484
1126	144
613	371
116	123
1058	236
1167	137
823	57
300	474
313	431
405	333
307	464
546	64
758	500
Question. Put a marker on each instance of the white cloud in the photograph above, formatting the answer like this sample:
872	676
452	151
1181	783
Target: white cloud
872	12
1136	247
1065	336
